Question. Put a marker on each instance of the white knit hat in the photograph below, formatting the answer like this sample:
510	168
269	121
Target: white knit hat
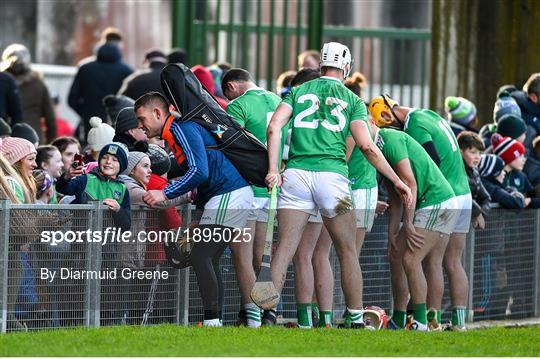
99	135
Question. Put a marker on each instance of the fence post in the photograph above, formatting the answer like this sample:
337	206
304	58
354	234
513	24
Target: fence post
4	260
93	263
468	265
315	24
537	266
182	282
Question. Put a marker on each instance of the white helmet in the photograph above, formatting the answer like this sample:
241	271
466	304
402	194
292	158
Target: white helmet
334	54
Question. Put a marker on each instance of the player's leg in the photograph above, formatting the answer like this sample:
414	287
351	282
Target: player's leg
457	278
435	281
398	279
324	278
303	274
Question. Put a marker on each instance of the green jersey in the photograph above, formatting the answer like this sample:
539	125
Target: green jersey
432	187
425	126
322	111
361	173
253	111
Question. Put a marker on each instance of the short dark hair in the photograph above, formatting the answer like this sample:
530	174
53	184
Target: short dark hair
63	142
469	139
238	75
151	98
305	75
111	34
177	55
532	86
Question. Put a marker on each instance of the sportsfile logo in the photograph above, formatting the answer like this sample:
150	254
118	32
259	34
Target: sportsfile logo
116	235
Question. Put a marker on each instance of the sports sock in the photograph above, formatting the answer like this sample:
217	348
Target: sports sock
458	316
420	313
303	314
399	318
253	315
355	315
325	318
439	317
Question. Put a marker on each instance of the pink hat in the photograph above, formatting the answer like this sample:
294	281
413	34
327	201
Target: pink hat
15	149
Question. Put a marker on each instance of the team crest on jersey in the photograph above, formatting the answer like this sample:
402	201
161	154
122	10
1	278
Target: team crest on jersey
219	131
117	194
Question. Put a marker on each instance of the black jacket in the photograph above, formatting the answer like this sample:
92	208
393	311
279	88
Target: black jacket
480	196
530	112
95	80
10	101
532	170
143	81
507	198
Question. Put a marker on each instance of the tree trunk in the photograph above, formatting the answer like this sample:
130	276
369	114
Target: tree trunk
478	46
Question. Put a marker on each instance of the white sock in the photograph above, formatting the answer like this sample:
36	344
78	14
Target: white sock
356	315
212	323
253	315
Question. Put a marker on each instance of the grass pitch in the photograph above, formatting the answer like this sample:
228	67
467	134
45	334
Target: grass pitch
170	340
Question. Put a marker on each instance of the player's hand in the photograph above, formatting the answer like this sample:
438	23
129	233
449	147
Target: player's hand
479	222
273	178
74	172
112	204
414	239
381	208
154	197
404	192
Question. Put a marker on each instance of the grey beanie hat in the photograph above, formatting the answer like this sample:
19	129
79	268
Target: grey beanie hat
134	157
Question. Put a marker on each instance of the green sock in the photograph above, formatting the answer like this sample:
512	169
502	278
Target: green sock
439	317
303	313
399	318
315	310
458	316
431	314
325	319
420	313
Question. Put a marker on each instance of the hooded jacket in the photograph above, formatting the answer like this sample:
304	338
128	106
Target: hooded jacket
95	80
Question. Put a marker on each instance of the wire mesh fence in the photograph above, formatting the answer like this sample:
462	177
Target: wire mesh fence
56	273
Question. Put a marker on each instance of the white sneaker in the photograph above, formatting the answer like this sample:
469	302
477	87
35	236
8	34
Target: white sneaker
212	323
417	326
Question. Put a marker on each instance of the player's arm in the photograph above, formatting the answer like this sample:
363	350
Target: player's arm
362	137
350	147
432	152
280	118
405	172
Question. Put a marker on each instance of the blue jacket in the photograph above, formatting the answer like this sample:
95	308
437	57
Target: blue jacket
532	169
500	195
95	80
210	171
518	180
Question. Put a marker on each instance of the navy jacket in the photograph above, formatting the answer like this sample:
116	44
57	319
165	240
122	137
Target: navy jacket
10	101
499	194
143	81
532	169
95	80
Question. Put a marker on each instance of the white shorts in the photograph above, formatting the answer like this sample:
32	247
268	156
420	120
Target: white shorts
315	219
365	204
230	209
465	211
440	217
259	209
312	191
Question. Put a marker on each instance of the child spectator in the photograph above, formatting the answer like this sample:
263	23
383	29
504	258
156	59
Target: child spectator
532	166
101	184
100	134
471	148
44	185
49	159
68	147
491	169
21	154
512	126
461	113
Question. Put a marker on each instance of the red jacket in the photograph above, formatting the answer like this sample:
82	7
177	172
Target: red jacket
169	219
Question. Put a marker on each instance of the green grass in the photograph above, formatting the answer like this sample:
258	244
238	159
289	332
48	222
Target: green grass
170	340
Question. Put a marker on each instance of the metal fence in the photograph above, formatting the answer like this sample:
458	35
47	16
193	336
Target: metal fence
502	263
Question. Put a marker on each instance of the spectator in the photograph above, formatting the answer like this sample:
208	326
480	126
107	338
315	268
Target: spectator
309	59
529	103
513	154
101	184
471	147
147	80
217	74
5	129
512	126
491	169
10	101
63	126
44	186
95	80
68	147
505	105
356	82
461	113
23	130
126	129
205	77
35	100
113	104
99	135
10	181
21	154
49	159
177	56
283	83
532	166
